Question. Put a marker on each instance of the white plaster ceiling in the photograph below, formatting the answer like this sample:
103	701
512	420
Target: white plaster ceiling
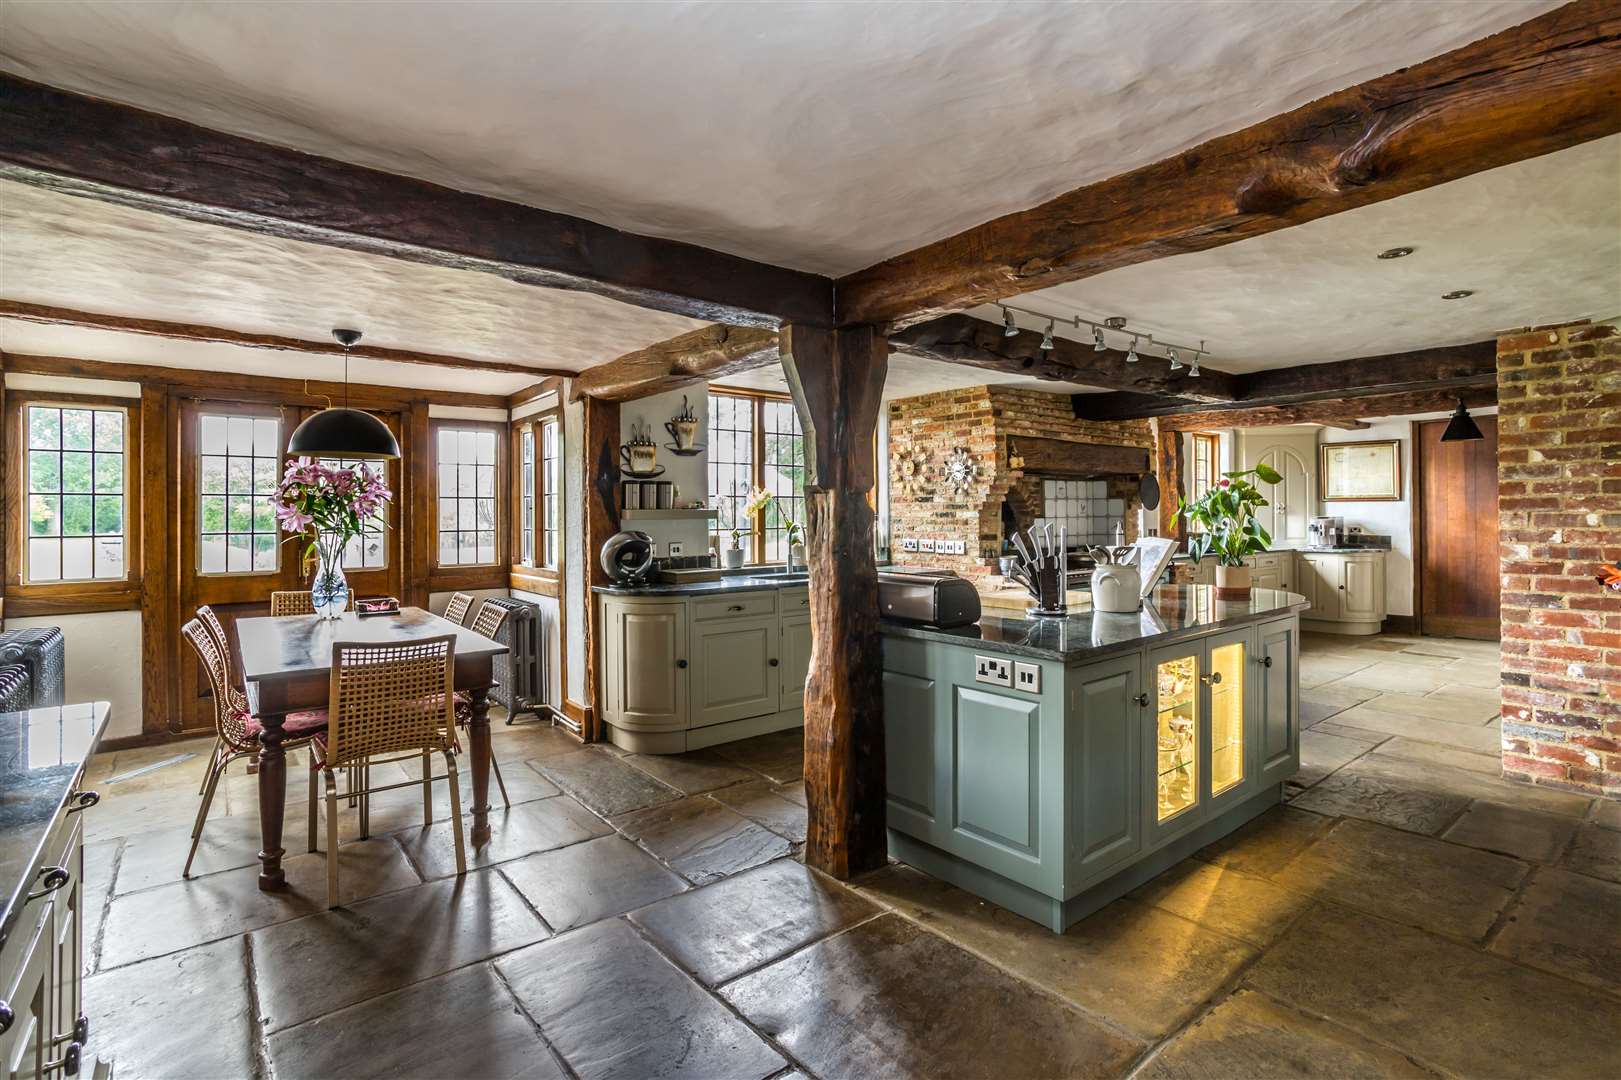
824	136
99	257
909	376
1538	241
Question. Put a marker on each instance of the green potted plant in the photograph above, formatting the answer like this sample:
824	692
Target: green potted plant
1229	528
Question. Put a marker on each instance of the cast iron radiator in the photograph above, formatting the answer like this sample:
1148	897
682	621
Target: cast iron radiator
40	650
523	674
16	688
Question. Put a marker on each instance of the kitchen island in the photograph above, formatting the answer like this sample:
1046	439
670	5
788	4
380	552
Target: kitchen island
1051	765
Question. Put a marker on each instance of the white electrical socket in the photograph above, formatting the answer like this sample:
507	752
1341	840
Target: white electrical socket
1027	677
676	548
925	545
993	670
909	544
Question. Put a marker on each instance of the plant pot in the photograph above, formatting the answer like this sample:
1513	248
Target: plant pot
1232	582
797	554
732	558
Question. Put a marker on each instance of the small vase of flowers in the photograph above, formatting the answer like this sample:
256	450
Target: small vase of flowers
1228	527
325	507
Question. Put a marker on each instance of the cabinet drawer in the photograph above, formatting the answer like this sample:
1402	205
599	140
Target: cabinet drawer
794	600
732	607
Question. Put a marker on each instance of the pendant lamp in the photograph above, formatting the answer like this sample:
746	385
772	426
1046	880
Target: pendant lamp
345	432
1462	427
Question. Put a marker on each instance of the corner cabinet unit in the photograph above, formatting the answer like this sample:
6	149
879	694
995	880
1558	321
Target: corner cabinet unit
1056	800
684	672
1346	591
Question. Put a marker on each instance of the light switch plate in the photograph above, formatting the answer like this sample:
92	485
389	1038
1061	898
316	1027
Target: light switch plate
993	670
1027	677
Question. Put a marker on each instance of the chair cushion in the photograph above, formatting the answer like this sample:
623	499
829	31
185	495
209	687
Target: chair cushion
296	725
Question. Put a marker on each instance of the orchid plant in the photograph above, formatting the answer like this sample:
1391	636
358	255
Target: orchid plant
1226	514
759	500
327	505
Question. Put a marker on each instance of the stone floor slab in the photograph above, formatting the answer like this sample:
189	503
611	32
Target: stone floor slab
1334	694
582	883
762	802
1365	790
1265	845
1595	851
1145	970
186	913
460	1024
148	1017
692	773
1251	1036
1407	878
910	1004
778	756
606	784
1509	831
617	1010
722	930
1432	719
1435	754
703	840
1396	678
1567	923
523	830
1322	754
312	966
1450	1005
1224	900
1606	812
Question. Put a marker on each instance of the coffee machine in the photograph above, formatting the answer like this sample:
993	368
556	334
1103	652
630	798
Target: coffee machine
1325	532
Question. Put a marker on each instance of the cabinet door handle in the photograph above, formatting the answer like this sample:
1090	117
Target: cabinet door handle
735	607
1211	679
772	662
53	878
1266	661
1342	588
7	1017
1142	700
84	800
681	663
69	1061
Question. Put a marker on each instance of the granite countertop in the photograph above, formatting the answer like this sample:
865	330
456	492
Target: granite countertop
1173	612
737	583
1343	549
42	757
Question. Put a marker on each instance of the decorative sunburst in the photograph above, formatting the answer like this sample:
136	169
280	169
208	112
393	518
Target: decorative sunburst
960	472
906	469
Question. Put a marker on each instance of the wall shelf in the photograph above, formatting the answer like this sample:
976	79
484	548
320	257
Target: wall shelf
668	515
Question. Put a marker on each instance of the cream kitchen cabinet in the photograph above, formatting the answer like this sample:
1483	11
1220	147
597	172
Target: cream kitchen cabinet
1273	570
1346	590
685	671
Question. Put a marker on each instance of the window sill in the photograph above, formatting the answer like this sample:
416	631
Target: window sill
71	598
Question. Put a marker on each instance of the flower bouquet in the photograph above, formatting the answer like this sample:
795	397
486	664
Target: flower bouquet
326	507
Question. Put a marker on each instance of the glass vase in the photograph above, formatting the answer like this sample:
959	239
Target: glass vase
329	589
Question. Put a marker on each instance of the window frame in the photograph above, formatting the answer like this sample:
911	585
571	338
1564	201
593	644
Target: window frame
193	454
24	598
758	399
502	494
548	492
1211	442
534	426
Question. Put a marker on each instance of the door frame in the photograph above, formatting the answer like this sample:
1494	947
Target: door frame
1415	514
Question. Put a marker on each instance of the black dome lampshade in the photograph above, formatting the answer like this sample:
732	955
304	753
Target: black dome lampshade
1462	427
344	432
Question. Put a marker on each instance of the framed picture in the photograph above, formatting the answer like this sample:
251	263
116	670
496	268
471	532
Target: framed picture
1360	471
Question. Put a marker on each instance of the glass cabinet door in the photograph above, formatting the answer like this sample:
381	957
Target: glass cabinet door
1226	681
1176	732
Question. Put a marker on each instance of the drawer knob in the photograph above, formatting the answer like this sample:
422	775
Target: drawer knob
83	800
52	878
1142	699
6	1017
735	607
680	663
772	661
1342	588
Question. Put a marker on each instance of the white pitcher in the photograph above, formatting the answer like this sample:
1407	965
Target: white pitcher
1116	588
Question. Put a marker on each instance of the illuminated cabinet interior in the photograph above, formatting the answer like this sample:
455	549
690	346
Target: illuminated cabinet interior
1226	717
1177	720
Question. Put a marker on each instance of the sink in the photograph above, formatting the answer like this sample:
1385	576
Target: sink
780	578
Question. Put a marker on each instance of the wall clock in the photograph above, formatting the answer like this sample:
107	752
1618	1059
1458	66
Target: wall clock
960	471
906	467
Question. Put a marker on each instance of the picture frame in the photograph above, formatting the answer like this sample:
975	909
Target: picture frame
1360	471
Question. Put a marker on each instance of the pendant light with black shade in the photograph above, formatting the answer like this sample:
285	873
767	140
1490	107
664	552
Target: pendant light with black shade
345	432
1462	426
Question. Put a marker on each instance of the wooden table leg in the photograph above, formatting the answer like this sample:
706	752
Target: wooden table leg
478	733
272	803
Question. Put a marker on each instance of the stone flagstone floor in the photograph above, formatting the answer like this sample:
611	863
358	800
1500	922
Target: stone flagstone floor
1407	913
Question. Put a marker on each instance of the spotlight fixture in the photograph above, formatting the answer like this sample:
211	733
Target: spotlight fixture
1115	322
1009	327
1176	361
1131	353
1047	335
1462	426
1097	339
1193	372
1457	294
1396	253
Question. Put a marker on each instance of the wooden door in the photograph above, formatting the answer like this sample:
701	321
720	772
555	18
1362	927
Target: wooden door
1456	561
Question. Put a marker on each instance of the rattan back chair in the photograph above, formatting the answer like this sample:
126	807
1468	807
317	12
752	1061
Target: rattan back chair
236	731
298	602
388	699
489	619
456	610
487	622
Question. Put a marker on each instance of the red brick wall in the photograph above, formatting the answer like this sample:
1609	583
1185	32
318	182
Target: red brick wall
1559	500
979	419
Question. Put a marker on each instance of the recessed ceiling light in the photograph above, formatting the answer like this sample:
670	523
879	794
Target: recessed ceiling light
1396	253
1457	294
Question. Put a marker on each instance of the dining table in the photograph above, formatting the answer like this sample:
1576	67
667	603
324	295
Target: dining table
287	667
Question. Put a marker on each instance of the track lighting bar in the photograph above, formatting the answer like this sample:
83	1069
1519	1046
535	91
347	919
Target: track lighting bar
1115	324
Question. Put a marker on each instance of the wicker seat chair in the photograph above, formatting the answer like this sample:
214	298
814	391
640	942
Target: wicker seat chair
488	623
391	699
456	610
297	602
236	732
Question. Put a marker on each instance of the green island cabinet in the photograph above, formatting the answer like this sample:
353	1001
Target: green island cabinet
685	669
1117	746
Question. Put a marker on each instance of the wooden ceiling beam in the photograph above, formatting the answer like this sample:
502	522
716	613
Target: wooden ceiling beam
1542	86
1333	413
964	339
1445	367
99	149
58	316
705	354
1060	457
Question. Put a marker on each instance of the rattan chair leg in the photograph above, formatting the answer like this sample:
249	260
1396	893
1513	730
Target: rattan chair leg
456	813
500	783
331	839
209	788
315	808
213	759
363	772
427	787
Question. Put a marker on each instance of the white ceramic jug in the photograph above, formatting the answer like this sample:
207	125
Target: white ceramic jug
1116	588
